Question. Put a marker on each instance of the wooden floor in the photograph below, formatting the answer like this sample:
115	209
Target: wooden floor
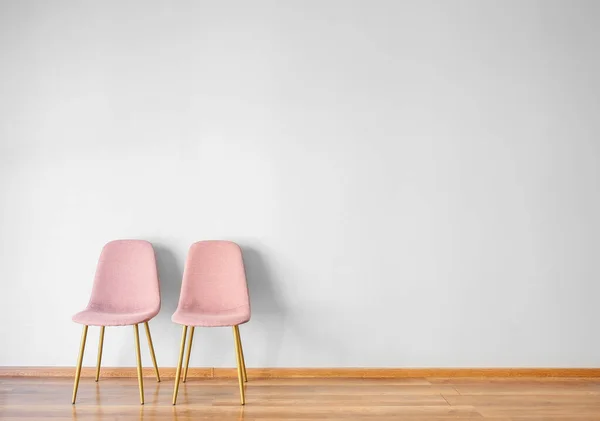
305	399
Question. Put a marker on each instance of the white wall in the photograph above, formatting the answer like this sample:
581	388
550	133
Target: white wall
413	183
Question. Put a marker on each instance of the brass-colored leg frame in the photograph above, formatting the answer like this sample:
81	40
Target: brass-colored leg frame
239	344
178	372
151	346
189	351
100	343
139	362
240	370
79	362
99	362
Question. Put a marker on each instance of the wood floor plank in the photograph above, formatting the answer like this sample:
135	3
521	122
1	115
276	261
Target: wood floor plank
528	389
301	399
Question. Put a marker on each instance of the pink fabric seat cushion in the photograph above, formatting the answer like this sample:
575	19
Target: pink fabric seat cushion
194	317
92	317
126	289
214	290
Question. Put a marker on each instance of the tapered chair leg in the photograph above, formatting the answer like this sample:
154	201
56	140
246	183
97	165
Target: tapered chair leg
79	362
100	344
239	344
236	336
179	363
151	346
189	351
139	362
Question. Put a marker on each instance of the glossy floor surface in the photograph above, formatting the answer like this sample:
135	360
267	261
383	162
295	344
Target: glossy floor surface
304	399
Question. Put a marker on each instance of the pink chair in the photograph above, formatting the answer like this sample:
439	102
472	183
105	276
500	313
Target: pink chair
213	293
125	292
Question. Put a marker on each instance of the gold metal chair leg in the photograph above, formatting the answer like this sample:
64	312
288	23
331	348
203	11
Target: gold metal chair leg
189	351
151	346
178	372
236	336
239	344
139	362
100	343
79	362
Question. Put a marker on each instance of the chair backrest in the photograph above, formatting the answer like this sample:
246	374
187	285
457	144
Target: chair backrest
126	277
214	278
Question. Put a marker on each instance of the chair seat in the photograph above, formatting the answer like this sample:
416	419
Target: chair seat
199	317
101	317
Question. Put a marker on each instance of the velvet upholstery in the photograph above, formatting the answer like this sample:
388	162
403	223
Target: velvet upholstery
126	288
214	290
